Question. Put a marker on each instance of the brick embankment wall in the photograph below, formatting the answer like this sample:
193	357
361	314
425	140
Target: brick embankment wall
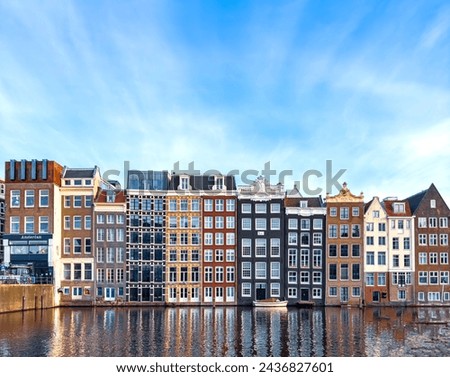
25	297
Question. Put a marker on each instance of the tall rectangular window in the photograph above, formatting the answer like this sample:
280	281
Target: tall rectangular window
29	198
43	198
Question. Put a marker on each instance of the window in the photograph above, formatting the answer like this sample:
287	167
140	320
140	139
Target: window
356	250
230	239
88	271
395	243
355	231
369	227
304	239
305	224
219	205
317	277
304	258
355	271
396	260
406	261
67	246
15	198
195	205
219	239
15	224
87	222
433	239
219	274
443	239
260	247
422	222
344	231
260	224
406	243
344	250
77	271
381	240
433	258
433	203
332	271
275	207
304	277
88	201
443	258
332	231
399	207
230	255
260	270
355	211
101	219
317	239
172	205
275	247
376	214
344	213
77	245
332	291
246	270
382	258
219	255
317	224
443	222
183	205
246	247
260	208
292	238
43	198
292	258
230	274
333	211
43	224
67	271
292	277
230	205
433	276
432	222
423	258
423	277
381	278
344	271
275	270
382	227
275	223
293	224
29	224
422	239
77	200
332	250
230	222
246	208
29	198
246	289
370	279
184	184
370	258
77	222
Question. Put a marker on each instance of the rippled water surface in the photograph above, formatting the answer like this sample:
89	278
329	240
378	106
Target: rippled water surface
226	331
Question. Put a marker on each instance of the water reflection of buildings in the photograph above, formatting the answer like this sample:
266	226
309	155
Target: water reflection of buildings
226	332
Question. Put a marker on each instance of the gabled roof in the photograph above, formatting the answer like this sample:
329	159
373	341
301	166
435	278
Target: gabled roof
312	202
414	200
202	182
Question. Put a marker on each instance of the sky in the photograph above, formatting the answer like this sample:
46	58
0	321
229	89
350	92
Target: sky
233	85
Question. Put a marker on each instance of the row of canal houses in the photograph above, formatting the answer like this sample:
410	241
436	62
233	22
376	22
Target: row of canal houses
179	239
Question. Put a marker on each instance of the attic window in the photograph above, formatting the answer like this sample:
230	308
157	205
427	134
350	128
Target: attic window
219	183
184	183
110	197
433	203
399	207
77	182
303	204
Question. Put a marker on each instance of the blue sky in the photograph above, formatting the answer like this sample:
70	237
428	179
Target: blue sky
232	85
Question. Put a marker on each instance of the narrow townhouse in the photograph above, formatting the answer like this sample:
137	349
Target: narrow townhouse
2	219
345	258
32	239
431	247
219	241
109	234
146	236
261	250
401	258
376	254
305	239
184	239
79	186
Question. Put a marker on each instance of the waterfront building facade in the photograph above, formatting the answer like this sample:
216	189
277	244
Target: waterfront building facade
32	239
376	256
109	235
146	236
261	249
184	235
76	270
2	218
431	247
305	239
345	259
401	256
219	242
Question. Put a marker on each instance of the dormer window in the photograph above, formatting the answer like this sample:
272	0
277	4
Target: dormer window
184	183
110	197
399	207
77	182
218	183
303	204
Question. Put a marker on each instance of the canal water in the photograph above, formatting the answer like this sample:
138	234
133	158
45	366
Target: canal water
226	331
